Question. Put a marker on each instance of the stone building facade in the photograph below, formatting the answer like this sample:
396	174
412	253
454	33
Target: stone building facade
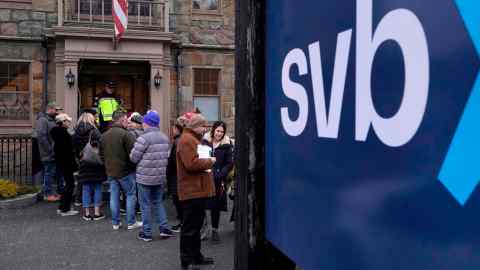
188	45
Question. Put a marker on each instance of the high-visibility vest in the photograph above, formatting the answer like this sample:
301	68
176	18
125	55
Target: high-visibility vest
107	106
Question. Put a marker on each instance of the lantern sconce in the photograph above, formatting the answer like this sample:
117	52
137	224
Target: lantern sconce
157	79
70	77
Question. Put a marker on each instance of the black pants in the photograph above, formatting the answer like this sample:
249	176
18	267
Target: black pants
67	195
190	243
215	215
178	207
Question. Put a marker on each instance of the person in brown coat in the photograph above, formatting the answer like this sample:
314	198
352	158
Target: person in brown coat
195	186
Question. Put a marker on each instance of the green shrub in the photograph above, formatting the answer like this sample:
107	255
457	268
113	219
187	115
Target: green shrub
9	189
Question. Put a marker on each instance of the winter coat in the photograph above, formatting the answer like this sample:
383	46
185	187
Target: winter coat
115	147
136	132
63	149
194	181
150	153
172	169
222	167
82	136
91	172
43	127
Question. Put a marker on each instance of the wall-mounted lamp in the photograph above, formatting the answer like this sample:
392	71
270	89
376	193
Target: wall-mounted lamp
157	79
70	78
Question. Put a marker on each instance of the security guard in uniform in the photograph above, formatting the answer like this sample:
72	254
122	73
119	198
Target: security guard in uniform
106	104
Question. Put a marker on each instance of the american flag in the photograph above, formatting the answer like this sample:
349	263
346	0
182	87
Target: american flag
120	17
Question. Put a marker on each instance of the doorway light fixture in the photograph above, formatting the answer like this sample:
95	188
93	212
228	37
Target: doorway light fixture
70	77
157	79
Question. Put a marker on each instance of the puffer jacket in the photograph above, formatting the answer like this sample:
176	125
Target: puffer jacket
150	153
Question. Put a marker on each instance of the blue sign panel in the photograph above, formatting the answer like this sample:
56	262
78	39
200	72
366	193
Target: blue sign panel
373	133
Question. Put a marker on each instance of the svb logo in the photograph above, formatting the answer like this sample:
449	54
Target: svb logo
401	26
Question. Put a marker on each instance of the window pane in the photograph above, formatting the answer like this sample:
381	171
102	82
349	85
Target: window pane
209	106
205	4
14	106
4	86
3	69
206	81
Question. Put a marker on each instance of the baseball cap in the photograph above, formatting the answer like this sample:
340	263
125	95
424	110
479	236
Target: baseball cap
53	105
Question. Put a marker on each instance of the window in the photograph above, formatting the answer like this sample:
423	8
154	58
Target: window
99	7
18	1
205	5
14	91
206	96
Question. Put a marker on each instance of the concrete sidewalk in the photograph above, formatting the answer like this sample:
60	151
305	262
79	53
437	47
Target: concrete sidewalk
37	238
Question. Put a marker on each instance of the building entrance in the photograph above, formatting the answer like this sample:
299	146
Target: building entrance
131	78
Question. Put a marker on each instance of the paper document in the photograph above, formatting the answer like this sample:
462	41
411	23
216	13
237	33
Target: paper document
204	151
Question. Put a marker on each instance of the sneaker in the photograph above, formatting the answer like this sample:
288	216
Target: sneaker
68	213
206	234
135	225
177	228
99	217
52	198
144	237
87	218
77	203
166	233
116	227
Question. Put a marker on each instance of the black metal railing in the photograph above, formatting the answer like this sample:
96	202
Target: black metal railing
16	158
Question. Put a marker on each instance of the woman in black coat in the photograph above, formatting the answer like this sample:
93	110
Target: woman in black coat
172	175
65	161
222	150
91	174
85	126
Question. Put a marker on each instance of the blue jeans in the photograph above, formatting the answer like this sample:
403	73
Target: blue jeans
88	189
127	184
49	173
151	198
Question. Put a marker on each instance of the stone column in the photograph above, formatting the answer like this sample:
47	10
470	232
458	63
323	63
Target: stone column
160	97
70	101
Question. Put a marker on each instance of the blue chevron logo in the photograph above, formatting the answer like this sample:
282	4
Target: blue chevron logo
460	172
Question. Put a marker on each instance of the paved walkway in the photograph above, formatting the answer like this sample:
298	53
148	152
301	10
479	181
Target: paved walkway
36	238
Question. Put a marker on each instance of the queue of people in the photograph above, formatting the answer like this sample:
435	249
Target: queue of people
136	158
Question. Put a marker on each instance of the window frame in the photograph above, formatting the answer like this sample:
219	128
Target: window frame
218	95
4	123
18	1
218	11
16	4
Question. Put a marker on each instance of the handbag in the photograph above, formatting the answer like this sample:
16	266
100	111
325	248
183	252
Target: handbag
91	154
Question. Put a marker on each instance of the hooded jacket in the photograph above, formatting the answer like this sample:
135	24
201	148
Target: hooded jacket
43	126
